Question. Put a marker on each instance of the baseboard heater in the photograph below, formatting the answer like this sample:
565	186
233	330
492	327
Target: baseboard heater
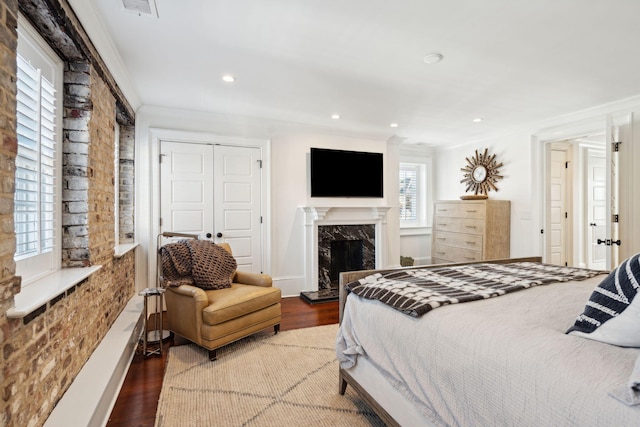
91	396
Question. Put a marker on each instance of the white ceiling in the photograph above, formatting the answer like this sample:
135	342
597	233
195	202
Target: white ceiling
511	62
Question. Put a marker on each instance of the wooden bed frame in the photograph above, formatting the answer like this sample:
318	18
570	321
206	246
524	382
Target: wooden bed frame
347	277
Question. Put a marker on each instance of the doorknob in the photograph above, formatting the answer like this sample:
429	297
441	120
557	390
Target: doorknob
593	224
219	235
208	235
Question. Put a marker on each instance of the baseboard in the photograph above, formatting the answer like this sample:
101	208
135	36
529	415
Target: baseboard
93	393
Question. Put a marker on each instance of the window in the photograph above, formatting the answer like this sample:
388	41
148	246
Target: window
36	198
408	192
414	193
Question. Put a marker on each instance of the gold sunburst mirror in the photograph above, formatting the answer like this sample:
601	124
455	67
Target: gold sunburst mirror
481	174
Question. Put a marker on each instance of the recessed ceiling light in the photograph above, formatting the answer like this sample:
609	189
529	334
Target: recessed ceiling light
432	58
477	120
394	125
228	78
335	116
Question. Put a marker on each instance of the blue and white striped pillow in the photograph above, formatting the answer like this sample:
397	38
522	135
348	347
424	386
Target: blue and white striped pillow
612	314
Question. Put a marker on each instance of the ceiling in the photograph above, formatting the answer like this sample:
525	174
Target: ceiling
512	63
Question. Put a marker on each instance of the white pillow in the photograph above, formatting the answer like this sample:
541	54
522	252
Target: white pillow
612	314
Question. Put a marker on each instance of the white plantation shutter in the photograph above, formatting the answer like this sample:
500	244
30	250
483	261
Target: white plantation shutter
35	183
408	192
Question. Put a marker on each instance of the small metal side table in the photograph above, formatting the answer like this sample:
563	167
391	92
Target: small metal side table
156	334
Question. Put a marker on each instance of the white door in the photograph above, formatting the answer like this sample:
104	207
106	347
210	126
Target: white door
214	191
186	183
557	208
238	203
596	198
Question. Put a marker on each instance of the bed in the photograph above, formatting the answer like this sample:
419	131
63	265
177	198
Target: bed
501	361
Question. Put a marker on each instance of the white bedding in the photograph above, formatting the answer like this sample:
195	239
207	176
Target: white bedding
500	362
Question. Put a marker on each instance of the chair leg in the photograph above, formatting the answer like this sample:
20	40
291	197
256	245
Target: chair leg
276	329
212	355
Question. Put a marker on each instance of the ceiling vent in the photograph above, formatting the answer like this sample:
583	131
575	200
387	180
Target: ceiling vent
141	7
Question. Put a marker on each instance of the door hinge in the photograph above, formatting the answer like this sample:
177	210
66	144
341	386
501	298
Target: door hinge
615	218
615	146
160	157
542	231
261	220
566	165
566	215
160	222
260	163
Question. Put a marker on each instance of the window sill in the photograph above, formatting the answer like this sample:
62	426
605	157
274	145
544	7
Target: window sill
415	231
121	250
35	296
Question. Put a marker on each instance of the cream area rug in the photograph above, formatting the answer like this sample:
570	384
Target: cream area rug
288	379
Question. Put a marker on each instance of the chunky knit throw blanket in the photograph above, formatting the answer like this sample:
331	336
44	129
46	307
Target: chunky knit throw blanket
417	291
201	263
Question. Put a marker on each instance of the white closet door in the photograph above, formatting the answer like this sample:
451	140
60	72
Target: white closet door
556	241
237	173
186	187
214	191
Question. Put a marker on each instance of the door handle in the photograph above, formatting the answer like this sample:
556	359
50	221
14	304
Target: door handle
219	235
608	242
208	235
593	224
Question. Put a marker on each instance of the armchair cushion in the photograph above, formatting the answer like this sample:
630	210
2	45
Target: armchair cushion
237	301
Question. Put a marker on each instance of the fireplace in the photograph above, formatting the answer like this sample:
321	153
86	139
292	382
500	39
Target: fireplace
344	248
352	229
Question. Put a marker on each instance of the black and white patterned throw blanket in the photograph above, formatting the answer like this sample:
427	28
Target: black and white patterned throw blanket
416	292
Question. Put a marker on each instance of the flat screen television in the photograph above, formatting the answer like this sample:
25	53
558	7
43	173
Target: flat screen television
340	173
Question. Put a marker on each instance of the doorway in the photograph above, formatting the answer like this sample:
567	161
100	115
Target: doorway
575	189
591	237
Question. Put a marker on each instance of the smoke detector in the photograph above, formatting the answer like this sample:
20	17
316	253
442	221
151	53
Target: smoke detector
141	7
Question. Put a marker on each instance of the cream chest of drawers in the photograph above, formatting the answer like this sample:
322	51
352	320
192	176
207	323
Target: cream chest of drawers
470	230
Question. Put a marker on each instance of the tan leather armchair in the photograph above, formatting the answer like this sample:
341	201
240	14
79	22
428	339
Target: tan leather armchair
214	318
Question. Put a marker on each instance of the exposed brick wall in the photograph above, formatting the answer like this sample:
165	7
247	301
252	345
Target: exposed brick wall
126	187
101	172
42	354
75	164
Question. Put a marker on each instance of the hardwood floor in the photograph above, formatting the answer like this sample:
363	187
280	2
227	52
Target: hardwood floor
138	399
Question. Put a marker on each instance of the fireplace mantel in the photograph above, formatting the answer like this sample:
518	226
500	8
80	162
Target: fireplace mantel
315	216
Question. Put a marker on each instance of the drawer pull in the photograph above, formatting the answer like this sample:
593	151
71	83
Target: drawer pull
469	257
472	210
470	243
440	253
441	238
442	223
441	210
470	226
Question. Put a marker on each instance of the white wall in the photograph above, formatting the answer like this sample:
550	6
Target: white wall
514	152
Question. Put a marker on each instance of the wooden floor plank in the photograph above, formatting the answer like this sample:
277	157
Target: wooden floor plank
138	399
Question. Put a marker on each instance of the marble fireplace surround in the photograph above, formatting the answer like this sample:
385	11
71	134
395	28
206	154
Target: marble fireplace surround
315	216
